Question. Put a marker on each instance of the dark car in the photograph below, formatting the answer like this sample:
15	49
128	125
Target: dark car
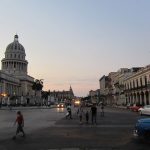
142	128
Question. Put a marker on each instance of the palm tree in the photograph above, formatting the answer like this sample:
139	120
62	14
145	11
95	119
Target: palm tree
37	86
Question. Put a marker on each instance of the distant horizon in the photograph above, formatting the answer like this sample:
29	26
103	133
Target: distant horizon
77	42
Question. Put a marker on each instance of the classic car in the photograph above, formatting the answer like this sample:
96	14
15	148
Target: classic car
142	128
145	110
135	108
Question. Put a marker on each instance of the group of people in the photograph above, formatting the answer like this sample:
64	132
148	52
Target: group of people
81	113
93	112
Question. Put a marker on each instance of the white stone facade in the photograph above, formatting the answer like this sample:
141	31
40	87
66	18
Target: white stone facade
112	87
137	87
14	80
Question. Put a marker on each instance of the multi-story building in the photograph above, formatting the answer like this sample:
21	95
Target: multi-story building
137	87
104	88
112	86
94	95
62	95
14	78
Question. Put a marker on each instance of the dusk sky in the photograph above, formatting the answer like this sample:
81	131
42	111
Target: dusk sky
76	42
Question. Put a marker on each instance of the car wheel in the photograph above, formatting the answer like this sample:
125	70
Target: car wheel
147	135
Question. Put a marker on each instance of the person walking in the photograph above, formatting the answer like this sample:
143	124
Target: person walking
20	124
69	114
80	113
87	117
94	114
102	109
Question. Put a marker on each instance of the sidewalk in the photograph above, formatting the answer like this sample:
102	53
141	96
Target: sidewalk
121	107
27	107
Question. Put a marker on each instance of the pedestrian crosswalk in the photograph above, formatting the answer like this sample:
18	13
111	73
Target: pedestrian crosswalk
83	148
93	126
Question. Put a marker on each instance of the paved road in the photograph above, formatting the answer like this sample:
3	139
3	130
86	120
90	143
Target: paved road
35	119
48	129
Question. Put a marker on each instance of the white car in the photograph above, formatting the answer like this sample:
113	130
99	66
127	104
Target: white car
145	110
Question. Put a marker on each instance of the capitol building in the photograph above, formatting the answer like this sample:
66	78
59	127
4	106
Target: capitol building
14	79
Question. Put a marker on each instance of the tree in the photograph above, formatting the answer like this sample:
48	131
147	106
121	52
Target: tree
37	85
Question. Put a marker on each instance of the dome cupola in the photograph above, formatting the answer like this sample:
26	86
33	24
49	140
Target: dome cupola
15	46
14	60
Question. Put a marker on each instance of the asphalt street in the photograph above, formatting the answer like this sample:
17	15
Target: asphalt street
48	129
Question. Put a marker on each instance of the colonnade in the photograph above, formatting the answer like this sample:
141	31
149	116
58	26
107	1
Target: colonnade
142	98
9	65
10	89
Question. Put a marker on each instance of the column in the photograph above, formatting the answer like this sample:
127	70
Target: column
140	99
4	87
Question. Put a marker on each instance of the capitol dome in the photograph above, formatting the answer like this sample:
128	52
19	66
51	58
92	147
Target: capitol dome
14	61
15	46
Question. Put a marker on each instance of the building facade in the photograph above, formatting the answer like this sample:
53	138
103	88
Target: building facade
137	87
62	96
104	83
94	95
112	87
14	78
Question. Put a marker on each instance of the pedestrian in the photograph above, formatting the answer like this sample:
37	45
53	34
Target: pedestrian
8	104
80	113
87	117
69	114
94	114
20	124
102	109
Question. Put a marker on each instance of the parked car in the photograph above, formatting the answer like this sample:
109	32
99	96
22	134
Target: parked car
145	110
135	108
142	128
